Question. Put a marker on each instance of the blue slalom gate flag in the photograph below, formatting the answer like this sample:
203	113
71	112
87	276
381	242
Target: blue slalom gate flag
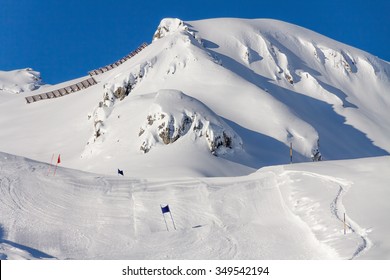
165	209
120	172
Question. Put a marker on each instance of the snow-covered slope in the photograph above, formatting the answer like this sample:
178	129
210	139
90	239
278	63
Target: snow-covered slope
18	81
266	83
283	212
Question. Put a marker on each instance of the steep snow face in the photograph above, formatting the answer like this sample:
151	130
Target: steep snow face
18	81
174	115
322	81
197	70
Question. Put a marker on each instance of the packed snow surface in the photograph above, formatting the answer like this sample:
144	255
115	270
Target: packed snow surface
282	212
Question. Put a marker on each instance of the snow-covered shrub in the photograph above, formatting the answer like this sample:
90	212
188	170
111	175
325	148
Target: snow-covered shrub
316	154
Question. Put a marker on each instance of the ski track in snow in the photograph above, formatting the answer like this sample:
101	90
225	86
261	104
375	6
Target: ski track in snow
87	212
175	191
336	207
37	203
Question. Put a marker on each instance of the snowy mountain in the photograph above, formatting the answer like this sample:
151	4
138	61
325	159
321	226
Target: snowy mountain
272	83
209	98
18	81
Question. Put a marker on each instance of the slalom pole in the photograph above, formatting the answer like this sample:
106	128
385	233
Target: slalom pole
164	219
58	161
291	152
55	169
345	226
51	163
172	220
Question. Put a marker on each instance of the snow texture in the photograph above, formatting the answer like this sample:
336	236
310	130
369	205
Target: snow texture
283	212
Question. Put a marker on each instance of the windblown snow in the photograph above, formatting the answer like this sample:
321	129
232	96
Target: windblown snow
211	98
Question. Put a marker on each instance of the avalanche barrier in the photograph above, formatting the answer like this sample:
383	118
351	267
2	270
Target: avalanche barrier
85	83
111	66
62	91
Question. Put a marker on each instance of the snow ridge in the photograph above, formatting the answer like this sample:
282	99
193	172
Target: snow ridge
18	81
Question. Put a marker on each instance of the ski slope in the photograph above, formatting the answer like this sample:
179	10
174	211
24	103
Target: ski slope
281	212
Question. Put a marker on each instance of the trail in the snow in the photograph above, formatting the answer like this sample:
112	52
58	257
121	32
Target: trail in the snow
333	205
337	209
334	208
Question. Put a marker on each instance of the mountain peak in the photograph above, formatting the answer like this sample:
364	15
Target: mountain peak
21	80
213	87
168	26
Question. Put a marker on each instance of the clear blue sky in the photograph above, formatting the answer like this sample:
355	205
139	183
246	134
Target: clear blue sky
64	39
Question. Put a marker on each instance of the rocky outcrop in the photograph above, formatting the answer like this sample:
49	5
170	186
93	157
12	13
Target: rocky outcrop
175	115
168	26
116	90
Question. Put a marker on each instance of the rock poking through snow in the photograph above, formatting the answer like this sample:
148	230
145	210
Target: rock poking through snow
168	26
174	115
